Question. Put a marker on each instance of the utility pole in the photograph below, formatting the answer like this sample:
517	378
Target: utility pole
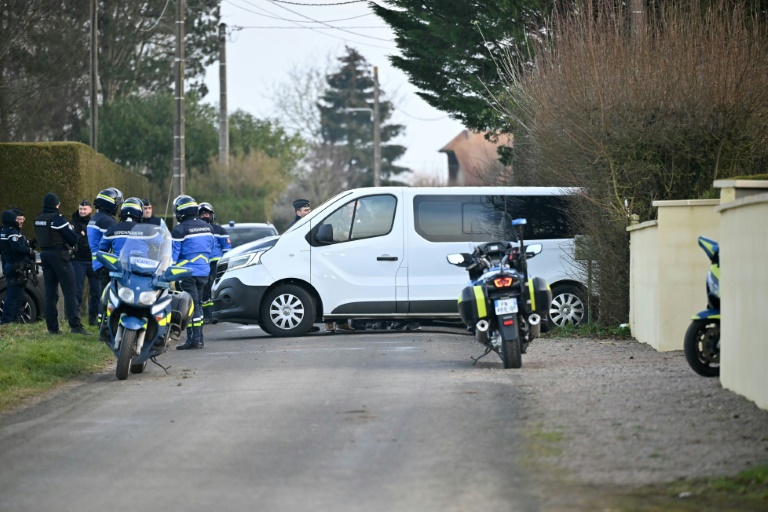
376	130
223	117
178	129
95	75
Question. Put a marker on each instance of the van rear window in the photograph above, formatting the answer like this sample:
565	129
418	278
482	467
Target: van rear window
450	218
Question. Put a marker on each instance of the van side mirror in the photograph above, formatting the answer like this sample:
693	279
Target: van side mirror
460	259
532	250
109	261
324	234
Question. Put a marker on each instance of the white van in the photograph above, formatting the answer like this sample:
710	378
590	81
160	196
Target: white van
380	253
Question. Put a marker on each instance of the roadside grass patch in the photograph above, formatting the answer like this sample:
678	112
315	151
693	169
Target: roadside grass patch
33	361
588	331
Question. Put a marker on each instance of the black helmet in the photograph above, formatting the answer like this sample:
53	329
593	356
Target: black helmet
184	207
109	199
132	208
206	207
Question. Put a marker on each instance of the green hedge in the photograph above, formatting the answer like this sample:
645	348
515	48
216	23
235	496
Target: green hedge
71	170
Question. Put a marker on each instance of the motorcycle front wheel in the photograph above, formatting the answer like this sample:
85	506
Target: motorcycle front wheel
125	353
702	347
511	351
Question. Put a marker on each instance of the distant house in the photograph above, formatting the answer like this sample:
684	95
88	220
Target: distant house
473	160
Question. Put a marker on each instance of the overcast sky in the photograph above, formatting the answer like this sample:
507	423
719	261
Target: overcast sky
260	56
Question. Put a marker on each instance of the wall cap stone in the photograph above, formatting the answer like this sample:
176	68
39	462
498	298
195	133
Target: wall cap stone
688	202
744	201
741	184
643	225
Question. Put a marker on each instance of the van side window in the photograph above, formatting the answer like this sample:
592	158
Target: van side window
451	218
366	217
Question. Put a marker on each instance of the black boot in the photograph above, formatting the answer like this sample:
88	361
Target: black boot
189	346
79	329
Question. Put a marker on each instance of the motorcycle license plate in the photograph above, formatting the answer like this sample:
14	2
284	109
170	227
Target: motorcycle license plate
505	306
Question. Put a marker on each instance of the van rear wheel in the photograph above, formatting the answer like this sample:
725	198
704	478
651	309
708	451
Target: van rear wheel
287	310
569	306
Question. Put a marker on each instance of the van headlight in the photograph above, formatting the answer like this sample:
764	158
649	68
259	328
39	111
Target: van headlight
245	260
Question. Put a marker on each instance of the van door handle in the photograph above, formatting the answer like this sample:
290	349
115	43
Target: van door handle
387	258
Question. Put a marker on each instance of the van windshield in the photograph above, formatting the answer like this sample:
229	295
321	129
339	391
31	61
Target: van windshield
312	213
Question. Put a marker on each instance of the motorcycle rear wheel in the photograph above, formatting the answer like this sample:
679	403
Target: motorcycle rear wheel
125	353
701	347
511	351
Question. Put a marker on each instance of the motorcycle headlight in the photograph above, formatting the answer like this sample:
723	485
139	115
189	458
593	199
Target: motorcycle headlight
125	294
147	298
245	260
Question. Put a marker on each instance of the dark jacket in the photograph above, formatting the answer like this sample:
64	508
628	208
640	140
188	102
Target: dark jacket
13	245
53	232
80	225
151	220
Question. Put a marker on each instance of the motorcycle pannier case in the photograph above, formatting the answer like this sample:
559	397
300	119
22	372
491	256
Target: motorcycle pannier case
539	296
472	305
181	309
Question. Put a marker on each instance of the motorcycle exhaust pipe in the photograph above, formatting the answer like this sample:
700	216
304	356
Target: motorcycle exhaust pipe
534	321
482	325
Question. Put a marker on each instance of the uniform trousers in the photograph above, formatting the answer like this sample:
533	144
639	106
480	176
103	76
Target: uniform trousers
83	270
58	272
14	295
194	286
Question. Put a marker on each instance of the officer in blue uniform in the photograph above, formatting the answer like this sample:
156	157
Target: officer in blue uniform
107	204
16	253
221	246
192	245
57	241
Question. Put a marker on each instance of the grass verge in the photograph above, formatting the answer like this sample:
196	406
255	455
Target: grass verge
588	331
33	361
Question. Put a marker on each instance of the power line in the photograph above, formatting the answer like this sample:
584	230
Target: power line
322	5
420	118
293	21
158	19
238	27
331	26
315	29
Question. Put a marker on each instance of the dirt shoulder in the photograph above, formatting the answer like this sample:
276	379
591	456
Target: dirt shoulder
616	415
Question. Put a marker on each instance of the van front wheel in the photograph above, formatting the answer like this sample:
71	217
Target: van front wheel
287	310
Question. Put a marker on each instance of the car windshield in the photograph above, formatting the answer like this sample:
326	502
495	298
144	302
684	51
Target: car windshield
245	234
147	250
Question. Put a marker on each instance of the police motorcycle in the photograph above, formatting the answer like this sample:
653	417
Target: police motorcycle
702	339
502	304
143	313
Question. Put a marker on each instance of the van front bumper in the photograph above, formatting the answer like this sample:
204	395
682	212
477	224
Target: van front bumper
236	302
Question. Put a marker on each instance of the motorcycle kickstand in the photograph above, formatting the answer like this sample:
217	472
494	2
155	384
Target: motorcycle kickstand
154	360
476	359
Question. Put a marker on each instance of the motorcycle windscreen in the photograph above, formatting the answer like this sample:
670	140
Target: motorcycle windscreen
148	250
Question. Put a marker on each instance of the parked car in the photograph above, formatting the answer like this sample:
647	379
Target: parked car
244	232
34	296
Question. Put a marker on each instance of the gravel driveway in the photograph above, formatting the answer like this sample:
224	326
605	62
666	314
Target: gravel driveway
618	413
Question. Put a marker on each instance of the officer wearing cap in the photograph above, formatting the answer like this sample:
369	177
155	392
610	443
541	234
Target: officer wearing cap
302	208
57	241
16	252
148	217
81	262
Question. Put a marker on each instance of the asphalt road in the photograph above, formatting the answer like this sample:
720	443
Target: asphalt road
391	422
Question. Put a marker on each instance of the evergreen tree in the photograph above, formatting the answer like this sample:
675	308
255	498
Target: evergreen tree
452	50
351	87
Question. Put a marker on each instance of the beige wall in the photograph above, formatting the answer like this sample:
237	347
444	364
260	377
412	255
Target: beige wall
743	278
668	271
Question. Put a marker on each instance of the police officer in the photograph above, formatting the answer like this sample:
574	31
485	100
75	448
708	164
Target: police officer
192	245
301	206
149	217
16	253
107	204
81	262
221	246
57	240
